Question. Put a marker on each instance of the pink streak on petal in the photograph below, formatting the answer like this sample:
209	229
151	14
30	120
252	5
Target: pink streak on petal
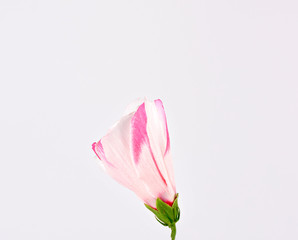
98	149
139	132
162	115
163	179
140	136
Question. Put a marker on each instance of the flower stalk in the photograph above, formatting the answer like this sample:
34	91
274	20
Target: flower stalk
173	234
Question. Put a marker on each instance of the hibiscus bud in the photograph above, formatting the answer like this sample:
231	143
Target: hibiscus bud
136	153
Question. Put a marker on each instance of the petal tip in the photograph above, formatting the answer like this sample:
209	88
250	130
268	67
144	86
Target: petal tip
93	146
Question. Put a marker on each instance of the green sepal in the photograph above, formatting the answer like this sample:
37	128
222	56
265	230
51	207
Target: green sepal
165	210
167	215
159	217
162	223
176	209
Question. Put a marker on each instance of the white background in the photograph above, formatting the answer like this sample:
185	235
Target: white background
227	74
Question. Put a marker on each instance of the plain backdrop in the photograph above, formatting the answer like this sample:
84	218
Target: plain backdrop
227	72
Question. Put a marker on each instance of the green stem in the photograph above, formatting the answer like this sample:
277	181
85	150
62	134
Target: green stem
173	234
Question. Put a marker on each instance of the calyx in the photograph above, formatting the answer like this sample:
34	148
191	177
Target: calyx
167	215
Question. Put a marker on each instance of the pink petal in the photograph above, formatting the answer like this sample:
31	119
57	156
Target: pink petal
163	118
139	132
98	149
159	141
116	146
148	167
135	152
167	155
117	150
